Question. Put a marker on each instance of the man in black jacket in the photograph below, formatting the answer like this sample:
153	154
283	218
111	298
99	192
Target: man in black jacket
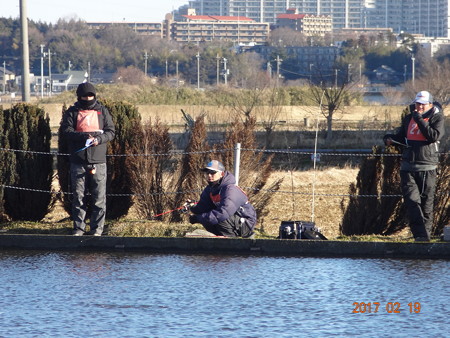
88	127
419	136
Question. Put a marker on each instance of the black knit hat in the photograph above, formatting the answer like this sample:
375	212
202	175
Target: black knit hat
84	89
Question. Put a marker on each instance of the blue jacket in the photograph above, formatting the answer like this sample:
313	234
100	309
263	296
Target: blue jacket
221	201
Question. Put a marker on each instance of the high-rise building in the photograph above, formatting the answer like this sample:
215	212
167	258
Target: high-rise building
426	17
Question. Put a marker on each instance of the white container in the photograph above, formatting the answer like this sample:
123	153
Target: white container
447	233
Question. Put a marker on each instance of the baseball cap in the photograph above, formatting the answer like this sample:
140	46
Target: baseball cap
423	97
214	165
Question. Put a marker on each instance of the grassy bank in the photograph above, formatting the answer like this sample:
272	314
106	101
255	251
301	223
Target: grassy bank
294	201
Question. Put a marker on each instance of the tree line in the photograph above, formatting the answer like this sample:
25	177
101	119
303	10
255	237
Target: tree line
118	49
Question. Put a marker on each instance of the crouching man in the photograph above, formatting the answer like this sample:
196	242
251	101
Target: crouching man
223	208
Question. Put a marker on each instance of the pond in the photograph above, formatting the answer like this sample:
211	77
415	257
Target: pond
73	294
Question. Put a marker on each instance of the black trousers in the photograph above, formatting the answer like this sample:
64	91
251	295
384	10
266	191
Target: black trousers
235	226
418	189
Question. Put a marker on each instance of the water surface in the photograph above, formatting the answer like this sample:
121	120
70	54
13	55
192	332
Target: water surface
72	294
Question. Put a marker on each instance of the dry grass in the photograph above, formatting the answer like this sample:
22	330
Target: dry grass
285	206
330	188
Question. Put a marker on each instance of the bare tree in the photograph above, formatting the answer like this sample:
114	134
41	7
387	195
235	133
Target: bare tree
330	99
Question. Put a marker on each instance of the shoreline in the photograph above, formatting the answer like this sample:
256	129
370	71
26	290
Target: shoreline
229	246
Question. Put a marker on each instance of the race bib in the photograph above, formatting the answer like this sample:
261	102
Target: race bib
414	133
87	121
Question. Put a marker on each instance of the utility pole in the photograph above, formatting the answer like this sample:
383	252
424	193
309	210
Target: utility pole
217	69
310	71
176	67
349	66
269	69
25	52
278	68
225	71
335	77
4	77
89	72
50	72
42	71
198	70
145	64
413	69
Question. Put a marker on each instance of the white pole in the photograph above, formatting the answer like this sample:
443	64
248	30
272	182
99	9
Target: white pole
237	161
314	161
42	71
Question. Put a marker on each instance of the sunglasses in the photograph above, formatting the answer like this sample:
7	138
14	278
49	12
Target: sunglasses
211	172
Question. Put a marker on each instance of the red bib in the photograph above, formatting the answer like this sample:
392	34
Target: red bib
87	121
414	133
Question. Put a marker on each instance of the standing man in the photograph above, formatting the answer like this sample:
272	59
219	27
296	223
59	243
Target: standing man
419	137
88	126
223	208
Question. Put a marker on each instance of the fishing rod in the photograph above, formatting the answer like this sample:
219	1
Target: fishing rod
186	206
89	143
400	144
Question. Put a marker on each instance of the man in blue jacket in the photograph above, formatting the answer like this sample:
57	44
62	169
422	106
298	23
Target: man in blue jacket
88	127
223	208
419	135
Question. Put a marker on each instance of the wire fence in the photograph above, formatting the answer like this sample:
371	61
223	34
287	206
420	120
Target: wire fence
182	153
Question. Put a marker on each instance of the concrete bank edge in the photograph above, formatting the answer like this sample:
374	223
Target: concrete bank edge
266	247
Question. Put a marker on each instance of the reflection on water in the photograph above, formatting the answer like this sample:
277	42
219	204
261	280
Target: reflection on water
152	295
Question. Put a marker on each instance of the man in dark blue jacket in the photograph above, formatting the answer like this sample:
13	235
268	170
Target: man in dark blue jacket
420	133
88	127
223	208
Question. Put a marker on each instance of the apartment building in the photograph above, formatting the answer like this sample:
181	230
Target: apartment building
146	28
308	24
427	17
239	29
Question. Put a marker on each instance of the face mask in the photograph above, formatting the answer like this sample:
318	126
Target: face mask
86	103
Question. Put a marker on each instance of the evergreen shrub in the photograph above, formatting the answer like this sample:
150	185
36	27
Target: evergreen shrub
28	131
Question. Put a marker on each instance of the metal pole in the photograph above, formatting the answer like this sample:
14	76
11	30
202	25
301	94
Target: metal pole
42	71
178	81
4	77
25	52
225	71
198	70
413	69
145	65
49	72
237	161
218	69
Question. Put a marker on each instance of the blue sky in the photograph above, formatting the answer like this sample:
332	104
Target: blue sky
92	10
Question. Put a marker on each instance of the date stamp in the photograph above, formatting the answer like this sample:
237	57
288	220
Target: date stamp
390	307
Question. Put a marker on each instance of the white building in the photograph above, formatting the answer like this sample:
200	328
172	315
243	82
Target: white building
427	17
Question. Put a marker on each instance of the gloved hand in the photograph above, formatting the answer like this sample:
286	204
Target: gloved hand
193	219
187	206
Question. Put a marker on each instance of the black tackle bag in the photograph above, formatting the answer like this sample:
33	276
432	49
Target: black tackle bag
299	230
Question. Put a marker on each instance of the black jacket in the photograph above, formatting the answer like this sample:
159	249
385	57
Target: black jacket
77	140
419	153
